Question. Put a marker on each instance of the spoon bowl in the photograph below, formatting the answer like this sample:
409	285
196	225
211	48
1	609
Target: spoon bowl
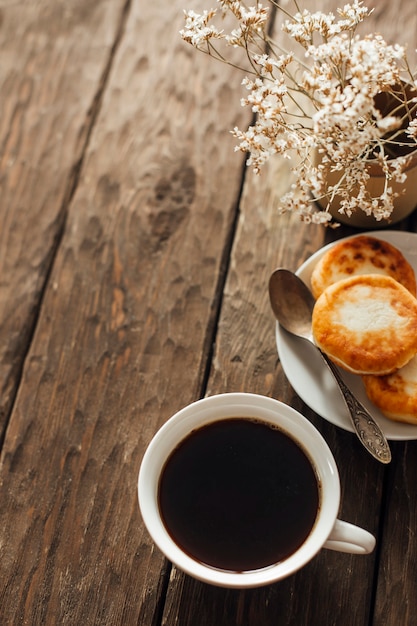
292	304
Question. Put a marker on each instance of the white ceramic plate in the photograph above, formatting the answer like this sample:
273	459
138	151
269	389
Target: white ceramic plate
311	379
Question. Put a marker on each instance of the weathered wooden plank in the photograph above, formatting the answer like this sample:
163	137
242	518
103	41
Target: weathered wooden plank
123	334
246	360
395	592
333	588
54	59
395	599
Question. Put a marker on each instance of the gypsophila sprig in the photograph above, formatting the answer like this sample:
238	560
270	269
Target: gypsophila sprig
322	109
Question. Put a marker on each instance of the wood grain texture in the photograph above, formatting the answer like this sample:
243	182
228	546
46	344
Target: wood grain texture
54	58
123	334
395	600
120	199
245	359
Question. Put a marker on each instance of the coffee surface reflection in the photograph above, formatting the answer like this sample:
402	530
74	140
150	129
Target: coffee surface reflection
238	494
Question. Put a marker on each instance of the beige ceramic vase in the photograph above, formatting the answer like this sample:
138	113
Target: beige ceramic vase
406	201
404	204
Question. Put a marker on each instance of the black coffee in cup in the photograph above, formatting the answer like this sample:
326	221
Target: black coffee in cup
238	494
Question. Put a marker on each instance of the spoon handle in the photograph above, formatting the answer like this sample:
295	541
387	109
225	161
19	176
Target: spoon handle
366	428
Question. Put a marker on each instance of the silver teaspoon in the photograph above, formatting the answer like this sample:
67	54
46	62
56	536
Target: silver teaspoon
292	303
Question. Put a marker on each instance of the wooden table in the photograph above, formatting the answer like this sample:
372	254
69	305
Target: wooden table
135	251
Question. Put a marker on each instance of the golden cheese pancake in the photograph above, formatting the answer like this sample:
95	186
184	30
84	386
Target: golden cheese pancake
361	255
395	394
366	324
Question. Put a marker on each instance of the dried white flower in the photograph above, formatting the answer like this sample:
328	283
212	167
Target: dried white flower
346	98
197	30
412	129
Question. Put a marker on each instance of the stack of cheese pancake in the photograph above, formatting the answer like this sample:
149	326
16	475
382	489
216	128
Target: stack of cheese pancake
365	320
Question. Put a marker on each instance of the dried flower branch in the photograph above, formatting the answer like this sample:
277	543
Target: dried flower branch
326	103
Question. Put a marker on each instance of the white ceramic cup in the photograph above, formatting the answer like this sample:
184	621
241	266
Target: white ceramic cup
327	532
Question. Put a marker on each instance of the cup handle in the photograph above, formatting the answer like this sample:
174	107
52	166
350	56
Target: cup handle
349	538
